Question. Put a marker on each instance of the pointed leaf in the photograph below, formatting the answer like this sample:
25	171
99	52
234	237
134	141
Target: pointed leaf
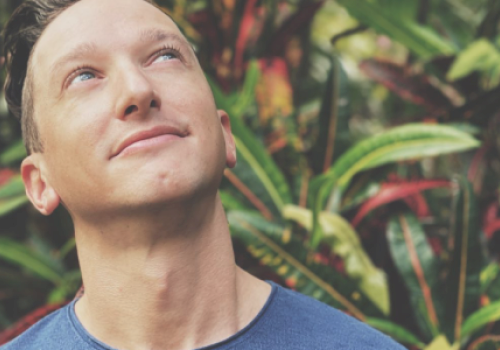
490	281
13	188
481	55
13	154
20	255
5	176
333	136
419	268
422	40
463	282
247	95
344	242
12	195
256	170
441	343
286	255
12	203
410	141
414	88
395	331
489	25
391	192
481	318
230	202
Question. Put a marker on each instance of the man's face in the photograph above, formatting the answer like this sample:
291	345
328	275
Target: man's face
108	73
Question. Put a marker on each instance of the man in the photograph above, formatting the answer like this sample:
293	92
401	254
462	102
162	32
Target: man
121	128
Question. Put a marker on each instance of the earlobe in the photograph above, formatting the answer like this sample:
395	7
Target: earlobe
228	139
39	191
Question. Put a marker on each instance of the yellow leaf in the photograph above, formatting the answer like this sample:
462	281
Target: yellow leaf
441	343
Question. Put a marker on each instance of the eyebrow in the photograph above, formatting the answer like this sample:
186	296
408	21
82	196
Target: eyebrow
157	35
151	35
78	52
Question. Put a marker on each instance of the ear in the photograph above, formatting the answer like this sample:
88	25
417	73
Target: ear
228	138
39	191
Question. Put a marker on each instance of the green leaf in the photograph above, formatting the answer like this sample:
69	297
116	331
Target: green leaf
20	255
419	269
410	141
12	195
67	247
247	95
397	332
490	281
344	241
422	40
72	281
229	202
333	134
10	204
286	255
488	276
13	188
481	56
14	153
256	170
481	318
489	25
463	283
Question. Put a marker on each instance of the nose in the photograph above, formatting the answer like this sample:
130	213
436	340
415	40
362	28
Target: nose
136	95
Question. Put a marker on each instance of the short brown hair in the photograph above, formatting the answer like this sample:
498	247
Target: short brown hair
21	34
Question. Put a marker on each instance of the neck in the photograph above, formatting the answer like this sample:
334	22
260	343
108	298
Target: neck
164	281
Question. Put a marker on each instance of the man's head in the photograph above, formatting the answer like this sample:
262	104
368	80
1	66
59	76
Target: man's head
90	77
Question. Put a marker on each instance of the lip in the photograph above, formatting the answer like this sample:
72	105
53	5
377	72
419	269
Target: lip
150	134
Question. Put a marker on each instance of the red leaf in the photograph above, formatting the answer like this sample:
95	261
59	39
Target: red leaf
5	175
414	88
274	93
491	213
391	192
491	228
247	22
418	205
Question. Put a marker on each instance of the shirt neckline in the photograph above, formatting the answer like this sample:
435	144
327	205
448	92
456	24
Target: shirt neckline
97	344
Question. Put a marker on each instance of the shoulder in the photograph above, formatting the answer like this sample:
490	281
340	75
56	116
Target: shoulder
323	326
47	333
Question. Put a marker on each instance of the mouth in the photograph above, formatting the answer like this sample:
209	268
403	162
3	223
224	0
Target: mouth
156	136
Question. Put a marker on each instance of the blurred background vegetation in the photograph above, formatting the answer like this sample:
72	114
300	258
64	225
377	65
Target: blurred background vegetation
368	167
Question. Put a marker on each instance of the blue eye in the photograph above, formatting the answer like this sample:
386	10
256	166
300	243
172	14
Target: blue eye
166	56
84	76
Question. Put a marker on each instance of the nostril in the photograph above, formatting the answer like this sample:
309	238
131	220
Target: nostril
153	104
130	110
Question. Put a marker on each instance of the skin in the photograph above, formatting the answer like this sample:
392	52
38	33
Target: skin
152	237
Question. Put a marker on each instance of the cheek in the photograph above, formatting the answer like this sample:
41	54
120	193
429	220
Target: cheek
75	156
76	127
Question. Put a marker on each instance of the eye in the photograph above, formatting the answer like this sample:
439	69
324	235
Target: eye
81	76
166	54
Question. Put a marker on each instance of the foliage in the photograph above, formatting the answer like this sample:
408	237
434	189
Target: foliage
367	176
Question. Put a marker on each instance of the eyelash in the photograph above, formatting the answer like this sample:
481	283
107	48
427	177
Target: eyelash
166	49
79	70
169	49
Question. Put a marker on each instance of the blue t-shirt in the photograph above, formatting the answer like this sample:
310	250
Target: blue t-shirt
288	321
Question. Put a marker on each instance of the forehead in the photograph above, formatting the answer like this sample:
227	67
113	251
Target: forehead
110	24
